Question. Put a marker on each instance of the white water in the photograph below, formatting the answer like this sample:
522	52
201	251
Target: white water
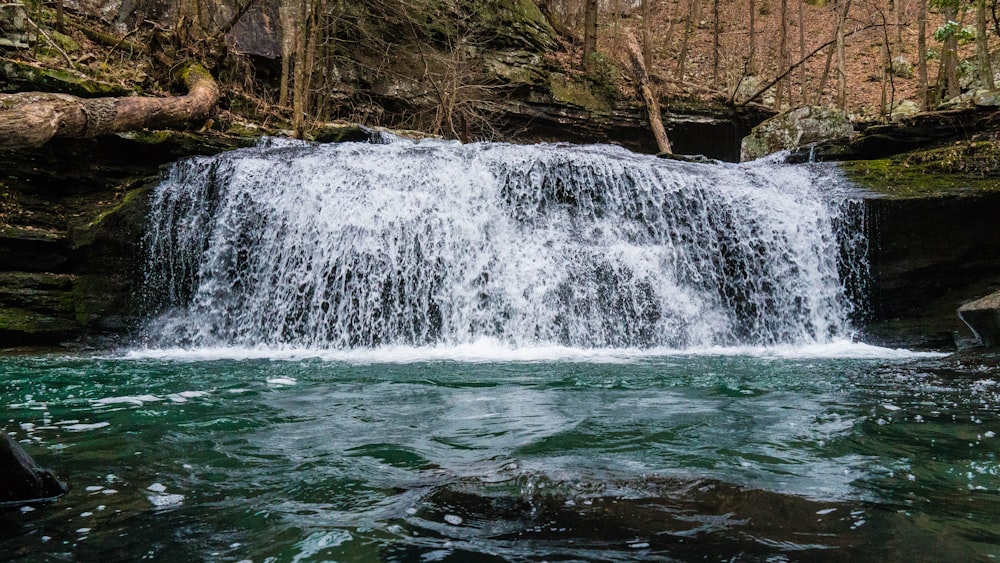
490	351
440	246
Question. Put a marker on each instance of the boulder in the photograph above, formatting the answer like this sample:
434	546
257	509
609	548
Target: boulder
22	481
796	128
983	317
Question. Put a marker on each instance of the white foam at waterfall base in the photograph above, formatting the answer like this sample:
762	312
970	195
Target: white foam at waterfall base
490	351
442	246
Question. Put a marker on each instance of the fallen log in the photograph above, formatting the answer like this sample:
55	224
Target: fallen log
31	119
652	106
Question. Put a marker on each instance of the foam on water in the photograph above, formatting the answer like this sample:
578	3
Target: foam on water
544	251
491	351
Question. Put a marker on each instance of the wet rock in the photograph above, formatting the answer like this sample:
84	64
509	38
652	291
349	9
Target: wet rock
983	317
70	235
796	128
928	256
923	130
22	481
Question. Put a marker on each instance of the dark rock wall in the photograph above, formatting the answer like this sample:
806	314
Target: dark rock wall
72	213
71	220
928	257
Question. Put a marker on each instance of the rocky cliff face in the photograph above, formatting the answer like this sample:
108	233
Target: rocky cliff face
929	255
73	213
71	216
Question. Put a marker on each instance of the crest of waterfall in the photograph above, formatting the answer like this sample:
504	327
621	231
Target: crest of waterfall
360	244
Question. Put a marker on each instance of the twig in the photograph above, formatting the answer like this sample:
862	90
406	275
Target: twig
789	70
51	42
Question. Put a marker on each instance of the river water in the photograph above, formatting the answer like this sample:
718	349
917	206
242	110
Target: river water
442	352
574	456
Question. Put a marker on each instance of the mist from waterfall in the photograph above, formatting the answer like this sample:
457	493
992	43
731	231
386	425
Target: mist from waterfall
359	245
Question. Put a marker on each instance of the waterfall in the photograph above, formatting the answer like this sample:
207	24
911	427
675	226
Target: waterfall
439	243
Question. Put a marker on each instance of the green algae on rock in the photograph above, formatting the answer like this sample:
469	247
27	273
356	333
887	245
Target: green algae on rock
962	168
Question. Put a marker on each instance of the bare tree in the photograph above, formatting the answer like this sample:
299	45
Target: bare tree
842	10
983	47
947	82
922	53
802	52
589	31
752	52
647	42
784	87
688	31
715	44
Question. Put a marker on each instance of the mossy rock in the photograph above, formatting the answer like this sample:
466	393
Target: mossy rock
796	128
36	308
568	91
24	325
22	77
517	23
963	168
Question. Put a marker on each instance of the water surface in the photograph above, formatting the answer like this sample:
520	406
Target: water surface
615	457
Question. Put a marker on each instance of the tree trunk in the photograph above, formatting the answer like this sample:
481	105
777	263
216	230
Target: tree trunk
784	86
751	57
652	106
802	52
30	119
286	14
843	9
715	44
647	41
299	91
922	54
983	47
688	30
589	31
948	87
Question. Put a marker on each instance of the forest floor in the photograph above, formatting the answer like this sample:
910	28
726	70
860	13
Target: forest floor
869	89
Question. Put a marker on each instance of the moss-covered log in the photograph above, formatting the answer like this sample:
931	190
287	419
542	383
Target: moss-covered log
31	119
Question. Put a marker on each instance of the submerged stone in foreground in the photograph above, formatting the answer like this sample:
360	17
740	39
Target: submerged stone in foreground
22	481
983	317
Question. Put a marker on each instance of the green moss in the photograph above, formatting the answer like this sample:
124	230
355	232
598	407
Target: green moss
192	72
148	137
92	297
517	23
65	42
604	75
962	168
23	321
132	202
19	76
17	320
568	91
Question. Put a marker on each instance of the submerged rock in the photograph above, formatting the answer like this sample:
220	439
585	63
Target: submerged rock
22	481
796	128
983	317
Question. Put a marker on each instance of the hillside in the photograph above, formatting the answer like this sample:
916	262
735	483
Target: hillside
462	69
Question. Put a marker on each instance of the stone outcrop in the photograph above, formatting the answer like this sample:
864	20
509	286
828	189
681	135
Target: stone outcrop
983	317
22	481
914	132
928	256
70	234
796	128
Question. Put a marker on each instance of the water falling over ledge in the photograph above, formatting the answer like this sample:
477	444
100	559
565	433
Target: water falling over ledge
359	245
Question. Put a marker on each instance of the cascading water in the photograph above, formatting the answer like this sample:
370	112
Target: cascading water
360	245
